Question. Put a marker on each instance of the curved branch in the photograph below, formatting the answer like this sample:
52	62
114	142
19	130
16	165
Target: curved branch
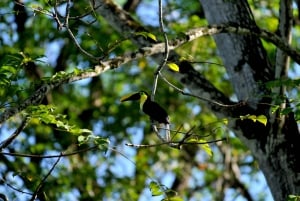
48	156
3	197
166	53
9	140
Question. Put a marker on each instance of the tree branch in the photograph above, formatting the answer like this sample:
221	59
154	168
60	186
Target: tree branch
9	140
163	62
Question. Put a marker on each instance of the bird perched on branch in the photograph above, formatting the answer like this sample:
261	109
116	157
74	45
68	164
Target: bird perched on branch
152	109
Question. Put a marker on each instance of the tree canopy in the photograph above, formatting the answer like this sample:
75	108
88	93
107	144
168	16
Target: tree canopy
226	72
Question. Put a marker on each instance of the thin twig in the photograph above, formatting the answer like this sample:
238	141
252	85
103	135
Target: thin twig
166	53
48	156
175	144
199	97
15	188
185	137
68	7
83	15
3	197
66	25
206	62
177	131
194	134
134	163
34	196
55	16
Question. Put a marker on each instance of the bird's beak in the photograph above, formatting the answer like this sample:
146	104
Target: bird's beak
128	97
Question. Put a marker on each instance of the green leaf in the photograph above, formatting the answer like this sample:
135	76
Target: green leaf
173	67
152	36
101	142
252	117
274	108
82	139
77	71
261	118
286	111
47	115
205	146
78	131
283	82
8	69
170	193
293	198
155	189
146	35
225	121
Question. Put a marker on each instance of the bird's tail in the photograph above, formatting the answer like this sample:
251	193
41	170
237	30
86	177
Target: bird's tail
164	132
167	132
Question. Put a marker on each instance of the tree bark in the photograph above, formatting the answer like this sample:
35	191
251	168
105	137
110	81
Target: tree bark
247	65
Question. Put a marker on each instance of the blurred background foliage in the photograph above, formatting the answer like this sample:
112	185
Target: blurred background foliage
31	56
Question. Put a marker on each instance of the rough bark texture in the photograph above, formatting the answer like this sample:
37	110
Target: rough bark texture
247	65
243	56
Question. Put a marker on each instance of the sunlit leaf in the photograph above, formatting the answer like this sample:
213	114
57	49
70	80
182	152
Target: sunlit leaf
205	146
155	189
152	36
262	119
147	35
173	66
78	131
274	108
82	139
225	121
252	117
242	117
293	198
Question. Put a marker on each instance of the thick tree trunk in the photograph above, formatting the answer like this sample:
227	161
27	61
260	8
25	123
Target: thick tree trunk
274	146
